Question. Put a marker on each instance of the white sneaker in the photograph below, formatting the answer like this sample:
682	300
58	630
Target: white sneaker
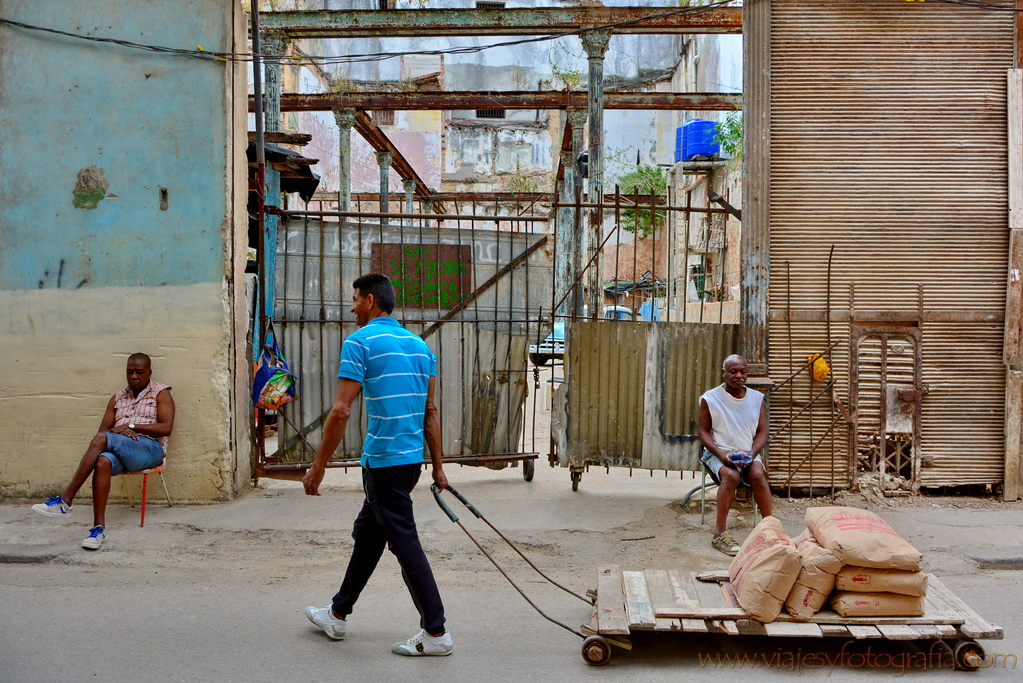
97	535
325	619
424	644
54	507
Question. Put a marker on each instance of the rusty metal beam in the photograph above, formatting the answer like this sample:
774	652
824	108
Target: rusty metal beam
498	22
379	141
551	99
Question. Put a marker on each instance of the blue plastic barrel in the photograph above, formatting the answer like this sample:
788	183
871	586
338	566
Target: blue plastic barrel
698	140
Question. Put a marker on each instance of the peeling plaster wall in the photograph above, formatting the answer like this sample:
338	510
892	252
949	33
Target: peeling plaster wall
152	266
458	151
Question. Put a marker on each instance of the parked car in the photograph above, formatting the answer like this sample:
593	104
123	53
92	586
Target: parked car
553	347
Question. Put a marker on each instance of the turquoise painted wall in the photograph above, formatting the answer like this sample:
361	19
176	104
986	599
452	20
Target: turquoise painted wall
83	288
148	120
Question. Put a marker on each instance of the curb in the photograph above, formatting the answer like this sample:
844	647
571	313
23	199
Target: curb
26	553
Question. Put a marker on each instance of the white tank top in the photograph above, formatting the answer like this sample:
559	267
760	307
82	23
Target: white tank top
734	420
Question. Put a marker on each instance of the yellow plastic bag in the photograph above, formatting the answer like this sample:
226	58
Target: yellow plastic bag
820	367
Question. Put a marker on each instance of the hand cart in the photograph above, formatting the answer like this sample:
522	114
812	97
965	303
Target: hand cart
675	601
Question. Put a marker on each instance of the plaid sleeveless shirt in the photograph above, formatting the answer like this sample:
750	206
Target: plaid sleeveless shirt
139	410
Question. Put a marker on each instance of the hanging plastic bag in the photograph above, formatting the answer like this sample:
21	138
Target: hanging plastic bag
820	367
274	384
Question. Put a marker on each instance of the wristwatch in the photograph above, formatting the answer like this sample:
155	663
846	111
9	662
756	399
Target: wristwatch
131	425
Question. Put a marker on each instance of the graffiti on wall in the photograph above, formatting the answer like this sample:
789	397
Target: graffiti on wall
426	275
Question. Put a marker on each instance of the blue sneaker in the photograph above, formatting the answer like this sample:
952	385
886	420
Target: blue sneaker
97	535
54	507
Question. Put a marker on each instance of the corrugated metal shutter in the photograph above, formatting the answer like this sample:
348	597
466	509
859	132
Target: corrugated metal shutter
888	140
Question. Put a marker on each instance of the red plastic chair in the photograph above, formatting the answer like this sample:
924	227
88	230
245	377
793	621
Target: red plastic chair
145	484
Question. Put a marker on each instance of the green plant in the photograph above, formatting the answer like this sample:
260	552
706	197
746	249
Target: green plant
645	180
340	83
728	134
570	78
520	182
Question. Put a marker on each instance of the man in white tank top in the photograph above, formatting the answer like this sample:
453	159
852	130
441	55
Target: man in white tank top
733	429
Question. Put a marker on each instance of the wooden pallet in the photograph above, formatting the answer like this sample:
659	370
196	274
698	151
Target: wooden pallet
672	600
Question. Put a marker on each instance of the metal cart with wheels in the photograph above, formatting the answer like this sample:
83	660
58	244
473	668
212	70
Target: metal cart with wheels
673	601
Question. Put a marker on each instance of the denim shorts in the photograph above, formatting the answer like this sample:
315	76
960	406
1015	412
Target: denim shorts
714	465
128	455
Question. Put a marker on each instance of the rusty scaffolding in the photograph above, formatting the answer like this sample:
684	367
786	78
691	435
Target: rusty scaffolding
479	334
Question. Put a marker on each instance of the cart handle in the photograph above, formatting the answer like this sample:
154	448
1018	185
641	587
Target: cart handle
461	499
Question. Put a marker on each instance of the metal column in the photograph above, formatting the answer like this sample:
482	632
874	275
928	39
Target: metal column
384	160
595	44
345	120
564	246
577	117
409	185
273	45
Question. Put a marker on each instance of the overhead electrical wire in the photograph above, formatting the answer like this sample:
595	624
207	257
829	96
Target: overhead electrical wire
322	60
202	53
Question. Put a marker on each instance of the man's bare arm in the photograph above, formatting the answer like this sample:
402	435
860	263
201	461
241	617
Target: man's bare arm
760	438
333	432
431	427
109	417
707	438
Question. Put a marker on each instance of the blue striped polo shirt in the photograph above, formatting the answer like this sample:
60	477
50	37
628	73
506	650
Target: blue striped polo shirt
394	367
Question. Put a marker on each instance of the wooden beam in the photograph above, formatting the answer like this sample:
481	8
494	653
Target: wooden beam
279	138
500	22
448	100
379	141
1015	131
1013	436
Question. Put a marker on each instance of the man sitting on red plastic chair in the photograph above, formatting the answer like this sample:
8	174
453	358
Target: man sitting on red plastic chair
132	437
733	429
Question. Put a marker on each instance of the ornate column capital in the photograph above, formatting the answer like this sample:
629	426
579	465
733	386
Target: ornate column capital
577	117
595	43
345	118
273	43
384	160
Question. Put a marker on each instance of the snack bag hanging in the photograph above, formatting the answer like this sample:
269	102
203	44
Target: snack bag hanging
274	384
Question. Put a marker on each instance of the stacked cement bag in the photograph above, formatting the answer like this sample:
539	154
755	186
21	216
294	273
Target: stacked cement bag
881	574
816	577
764	570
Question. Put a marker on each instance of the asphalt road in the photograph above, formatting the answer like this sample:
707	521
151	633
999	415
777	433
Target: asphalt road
216	593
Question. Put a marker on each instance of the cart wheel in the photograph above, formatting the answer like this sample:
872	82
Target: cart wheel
527	470
968	655
576	478
596	651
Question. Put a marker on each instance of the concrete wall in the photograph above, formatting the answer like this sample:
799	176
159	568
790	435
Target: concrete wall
119	212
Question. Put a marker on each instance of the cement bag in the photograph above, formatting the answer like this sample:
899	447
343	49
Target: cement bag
870	580
848	604
764	570
861	538
816	577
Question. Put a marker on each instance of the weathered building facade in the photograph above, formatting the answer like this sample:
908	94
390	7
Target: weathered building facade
120	228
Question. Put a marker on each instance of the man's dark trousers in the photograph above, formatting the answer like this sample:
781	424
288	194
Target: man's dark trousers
386	519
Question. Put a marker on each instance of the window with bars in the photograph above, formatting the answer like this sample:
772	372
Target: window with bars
489	5
382	117
490	113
